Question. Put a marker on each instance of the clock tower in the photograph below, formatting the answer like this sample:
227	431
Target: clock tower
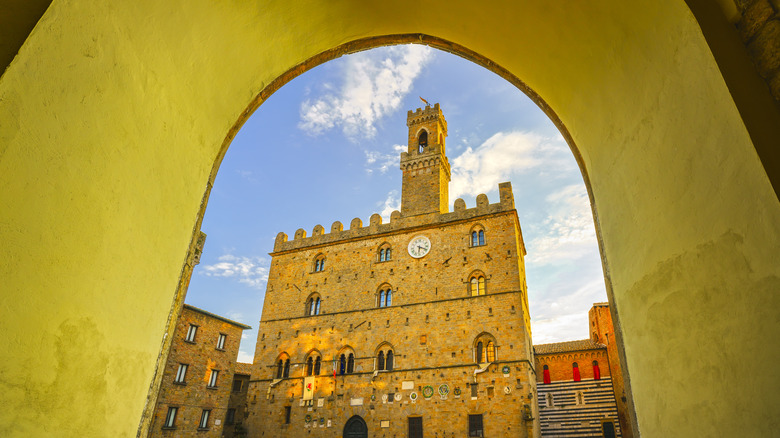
426	171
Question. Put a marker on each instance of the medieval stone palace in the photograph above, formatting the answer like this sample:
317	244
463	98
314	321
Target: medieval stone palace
419	325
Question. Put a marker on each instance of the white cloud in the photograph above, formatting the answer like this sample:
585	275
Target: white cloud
374	86
480	170
252	271
391	203
245	357
561	311
376	160
568	232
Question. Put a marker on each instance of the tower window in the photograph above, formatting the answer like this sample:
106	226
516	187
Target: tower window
313	364
346	363
422	142
385	253
477	285
485	349
384	360
478	238
319	263
286	369
312	305
385	296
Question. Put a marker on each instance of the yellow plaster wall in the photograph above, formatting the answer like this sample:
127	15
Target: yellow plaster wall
113	114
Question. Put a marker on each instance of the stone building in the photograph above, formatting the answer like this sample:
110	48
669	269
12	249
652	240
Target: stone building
419	325
580	384
237	403
198	379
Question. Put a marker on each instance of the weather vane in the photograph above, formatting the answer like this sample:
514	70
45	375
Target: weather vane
426	102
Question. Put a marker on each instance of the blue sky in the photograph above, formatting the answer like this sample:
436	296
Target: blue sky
326	147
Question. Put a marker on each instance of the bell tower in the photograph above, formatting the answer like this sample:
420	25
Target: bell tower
426	171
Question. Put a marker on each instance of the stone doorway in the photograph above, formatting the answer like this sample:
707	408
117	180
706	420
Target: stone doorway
356	428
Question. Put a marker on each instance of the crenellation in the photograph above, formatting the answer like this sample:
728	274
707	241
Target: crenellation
397	222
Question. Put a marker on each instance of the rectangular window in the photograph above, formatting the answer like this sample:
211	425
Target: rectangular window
221	342
415	427
238	385
230	418
475	425
213	379
193	330
474	388
181	374
204	419
170	418
287	411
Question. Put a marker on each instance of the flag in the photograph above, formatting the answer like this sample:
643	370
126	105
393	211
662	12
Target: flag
426	102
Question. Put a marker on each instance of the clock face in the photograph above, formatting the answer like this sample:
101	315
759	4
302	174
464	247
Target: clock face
419	247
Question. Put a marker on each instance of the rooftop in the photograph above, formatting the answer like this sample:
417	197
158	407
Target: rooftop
221	318
565	347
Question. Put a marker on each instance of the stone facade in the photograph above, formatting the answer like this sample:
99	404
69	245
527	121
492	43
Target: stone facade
451	310
186	393
237	403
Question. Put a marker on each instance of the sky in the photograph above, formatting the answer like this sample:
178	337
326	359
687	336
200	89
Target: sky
326	147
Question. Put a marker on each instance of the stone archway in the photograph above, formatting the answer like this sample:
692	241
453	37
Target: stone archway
113	128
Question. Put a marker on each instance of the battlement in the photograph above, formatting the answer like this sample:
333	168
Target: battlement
397	222
427	114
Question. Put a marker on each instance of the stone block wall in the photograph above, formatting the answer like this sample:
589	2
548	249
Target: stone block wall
202	356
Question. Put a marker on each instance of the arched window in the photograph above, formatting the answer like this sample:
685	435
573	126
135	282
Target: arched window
596	370
380	361
485	349
319	263
385	296
313	363
351	363
385	253
286	369
312	305
342	364
477	237
422	142
546	373
575	372
279	368
477	284
384	358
